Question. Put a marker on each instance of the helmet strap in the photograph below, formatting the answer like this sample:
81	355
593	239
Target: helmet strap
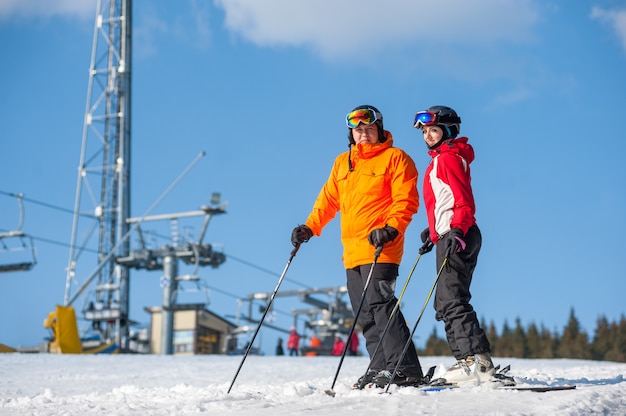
436	145
350	168
381	133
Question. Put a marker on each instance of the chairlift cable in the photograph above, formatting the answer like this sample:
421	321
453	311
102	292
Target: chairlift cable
45	204
63	244
266	270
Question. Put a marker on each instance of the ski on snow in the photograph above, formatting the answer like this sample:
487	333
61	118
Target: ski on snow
501	377
536	389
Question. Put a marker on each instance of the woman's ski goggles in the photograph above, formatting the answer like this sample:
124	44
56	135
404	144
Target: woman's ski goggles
424	118
366	116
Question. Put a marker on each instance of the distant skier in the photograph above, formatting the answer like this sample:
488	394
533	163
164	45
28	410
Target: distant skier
279	347
293	342
338	346
353	345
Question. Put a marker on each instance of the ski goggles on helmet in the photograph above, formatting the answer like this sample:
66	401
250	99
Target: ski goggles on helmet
366	116
424	118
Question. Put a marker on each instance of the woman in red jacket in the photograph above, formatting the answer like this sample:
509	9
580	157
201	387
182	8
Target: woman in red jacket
452	227
293	342
338	346
374	186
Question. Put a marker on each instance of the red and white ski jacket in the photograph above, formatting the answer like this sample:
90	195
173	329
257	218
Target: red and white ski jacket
447	189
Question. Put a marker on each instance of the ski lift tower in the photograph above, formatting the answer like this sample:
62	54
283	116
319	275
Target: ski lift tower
102	203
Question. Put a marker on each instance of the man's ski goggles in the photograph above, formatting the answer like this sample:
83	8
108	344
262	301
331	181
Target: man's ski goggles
424	118
366	116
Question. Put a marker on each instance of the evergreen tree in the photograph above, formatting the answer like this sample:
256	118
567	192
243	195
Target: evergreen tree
505	347
574	342
518	341
620	342
603	339
549	343
617	350
492	336
533	342
436	345
609	342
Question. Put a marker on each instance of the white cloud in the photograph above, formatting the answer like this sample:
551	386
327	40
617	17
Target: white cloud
148	28
189	24
194	25
512	97
47	8
349	28
614	18
332	29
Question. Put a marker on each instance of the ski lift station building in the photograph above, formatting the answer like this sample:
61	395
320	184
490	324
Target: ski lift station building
196	330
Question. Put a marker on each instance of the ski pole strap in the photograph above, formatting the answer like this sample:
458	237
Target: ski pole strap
294	251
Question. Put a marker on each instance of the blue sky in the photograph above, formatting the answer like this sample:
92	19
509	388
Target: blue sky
263	88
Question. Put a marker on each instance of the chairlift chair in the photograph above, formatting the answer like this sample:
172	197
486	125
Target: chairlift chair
17	247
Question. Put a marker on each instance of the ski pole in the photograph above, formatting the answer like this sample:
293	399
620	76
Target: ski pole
330	391
393	311
408	341
269	305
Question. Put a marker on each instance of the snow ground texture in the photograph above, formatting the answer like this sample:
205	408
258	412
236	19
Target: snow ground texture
49	384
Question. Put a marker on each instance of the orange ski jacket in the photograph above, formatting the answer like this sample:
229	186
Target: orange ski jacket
379	190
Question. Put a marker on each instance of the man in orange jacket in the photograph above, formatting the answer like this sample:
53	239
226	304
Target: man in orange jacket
374	186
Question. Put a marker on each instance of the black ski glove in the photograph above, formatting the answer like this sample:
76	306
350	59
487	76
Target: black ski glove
380	236
454	242
426	247
300	234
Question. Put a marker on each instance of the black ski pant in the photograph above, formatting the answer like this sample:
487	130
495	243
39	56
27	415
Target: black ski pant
377	305
452	297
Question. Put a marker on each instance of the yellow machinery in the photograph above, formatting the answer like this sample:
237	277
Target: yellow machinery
62	324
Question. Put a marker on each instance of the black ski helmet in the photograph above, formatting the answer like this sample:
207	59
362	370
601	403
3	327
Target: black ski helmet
448	119
379	123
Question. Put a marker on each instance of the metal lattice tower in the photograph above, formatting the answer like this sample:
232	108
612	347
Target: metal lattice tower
102	204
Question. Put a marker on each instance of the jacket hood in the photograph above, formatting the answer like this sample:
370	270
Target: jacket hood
367	150
459	146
